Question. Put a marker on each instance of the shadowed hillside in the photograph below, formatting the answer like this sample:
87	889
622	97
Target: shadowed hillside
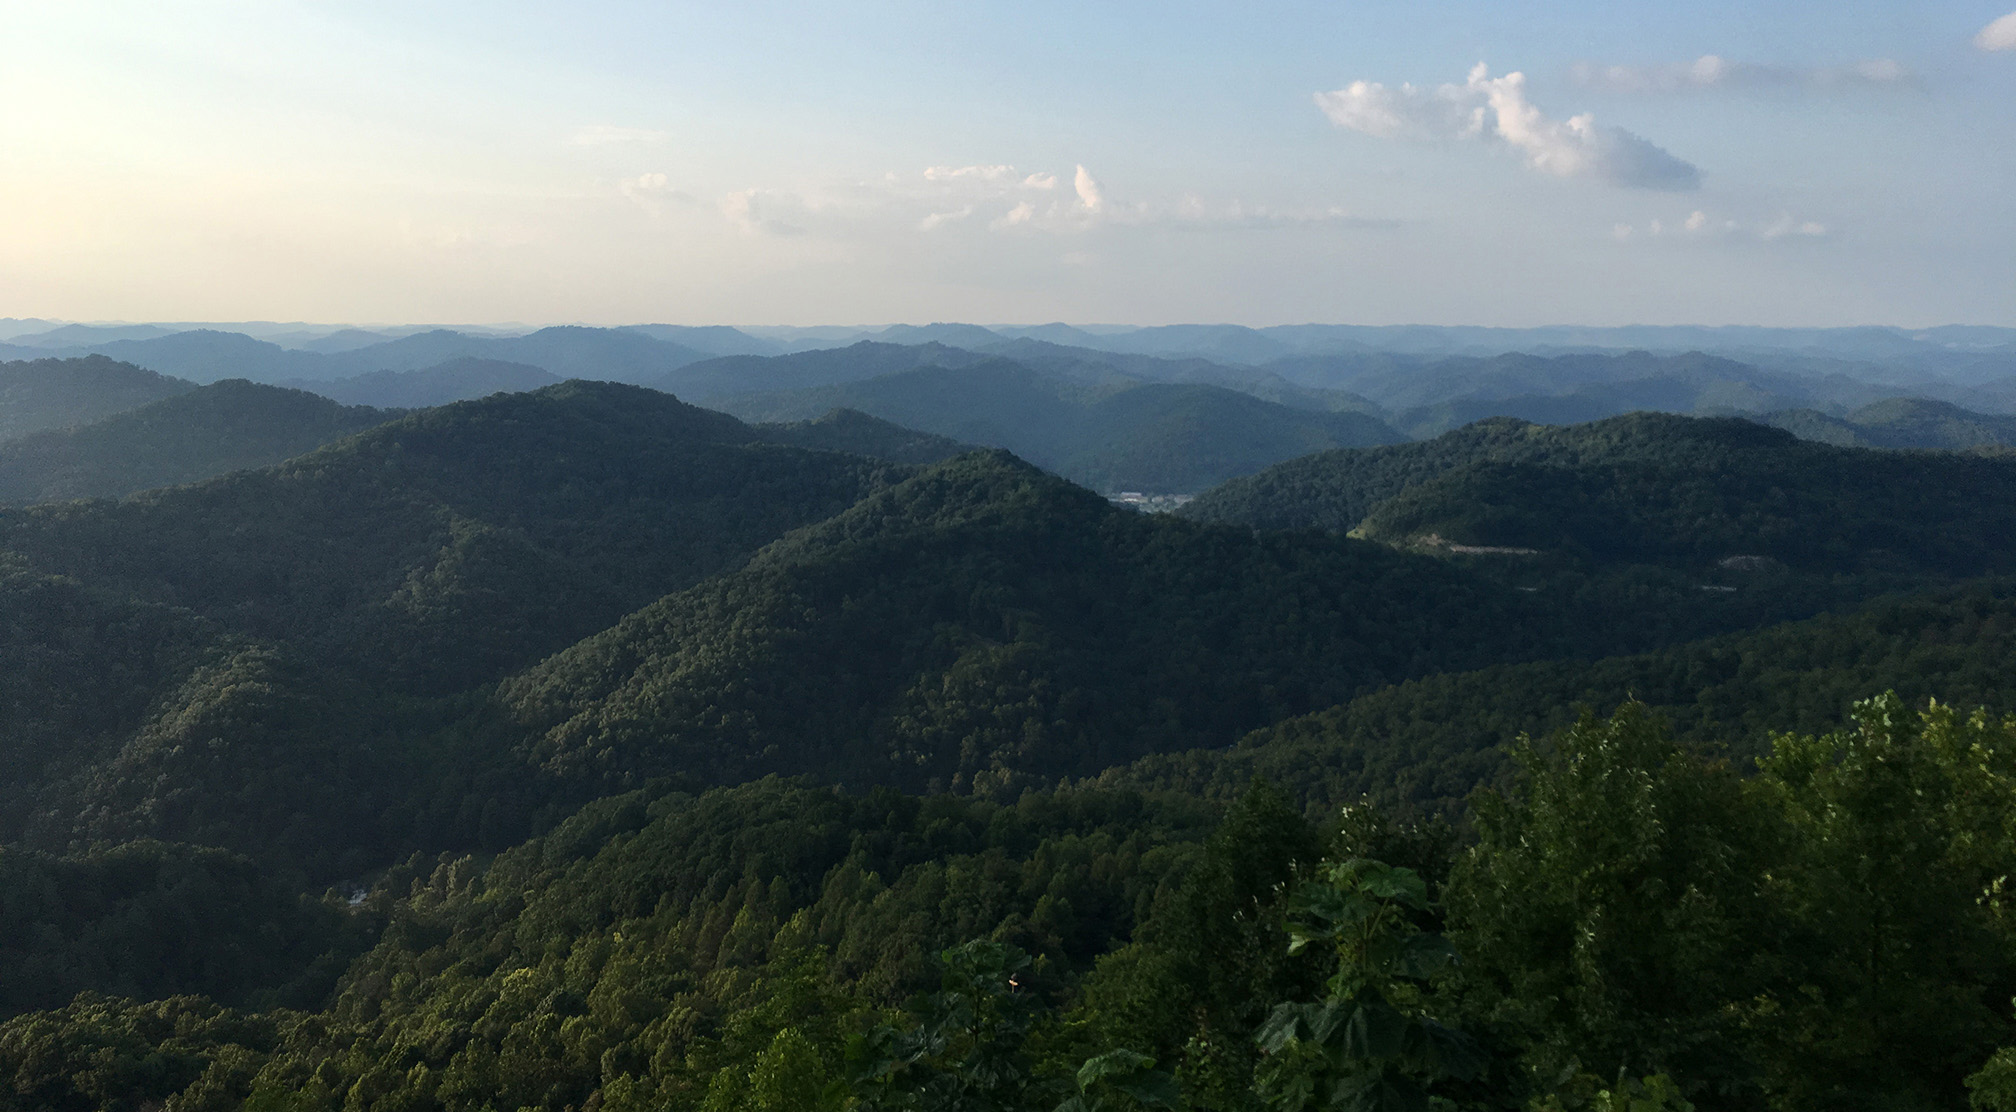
226	426
60	393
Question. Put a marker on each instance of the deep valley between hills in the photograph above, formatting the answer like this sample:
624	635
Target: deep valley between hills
619	719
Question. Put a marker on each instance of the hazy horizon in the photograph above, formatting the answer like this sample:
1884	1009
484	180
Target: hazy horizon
1460	164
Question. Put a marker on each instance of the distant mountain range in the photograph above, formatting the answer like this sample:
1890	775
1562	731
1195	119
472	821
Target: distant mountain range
206	355
1962	355
1113	420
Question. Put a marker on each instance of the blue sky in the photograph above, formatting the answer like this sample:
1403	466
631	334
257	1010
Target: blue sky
771	163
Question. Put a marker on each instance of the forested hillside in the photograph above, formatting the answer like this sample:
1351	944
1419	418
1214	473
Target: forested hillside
1111	435
581	748
1421	747
1902	423
43	394
226	426
1646	488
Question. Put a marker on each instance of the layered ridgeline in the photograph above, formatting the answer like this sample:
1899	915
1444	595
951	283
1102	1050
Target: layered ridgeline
979	624
226	426
43	394
1113	433
308	648
236	662
457	630
567	351
1902	423
456	380
1428	396
984	624
1710	495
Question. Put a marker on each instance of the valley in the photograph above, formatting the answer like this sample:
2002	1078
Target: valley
615	718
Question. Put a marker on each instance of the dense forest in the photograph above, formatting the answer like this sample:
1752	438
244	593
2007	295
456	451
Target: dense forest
580	748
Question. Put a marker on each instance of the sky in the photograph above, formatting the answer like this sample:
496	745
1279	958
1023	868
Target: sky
1795	163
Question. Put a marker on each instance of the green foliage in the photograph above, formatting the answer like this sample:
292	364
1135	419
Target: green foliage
1993	1086
1895	837
964	1046
1370	1044
1205	962
1829	934
1606	907
1120	1081
1423	745
105	1055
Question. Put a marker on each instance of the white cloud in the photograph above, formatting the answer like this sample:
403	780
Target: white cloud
1405	112
940	219
1999	35
650	191
974	173
1089	193
1700	226
1786	226
1712	71
607	135
1021	214
998	199
753	210
1497	108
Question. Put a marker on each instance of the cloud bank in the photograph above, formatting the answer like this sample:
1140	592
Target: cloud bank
1711	71
1999	35
1496	109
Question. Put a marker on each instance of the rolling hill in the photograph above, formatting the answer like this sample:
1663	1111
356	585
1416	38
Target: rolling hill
1901	423
1152	437
43	394
455	380
227	426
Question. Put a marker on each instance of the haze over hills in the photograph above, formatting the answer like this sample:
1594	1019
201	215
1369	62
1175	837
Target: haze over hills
1155	437
455	380
1901	423
58	393
227	426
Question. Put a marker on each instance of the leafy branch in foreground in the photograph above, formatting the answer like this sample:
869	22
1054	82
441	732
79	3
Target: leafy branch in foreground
1371	1044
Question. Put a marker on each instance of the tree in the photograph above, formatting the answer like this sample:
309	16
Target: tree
1370	1045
